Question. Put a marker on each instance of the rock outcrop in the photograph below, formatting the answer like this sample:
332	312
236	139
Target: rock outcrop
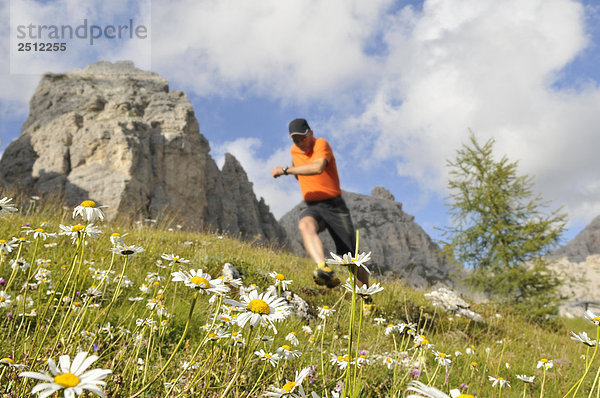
579	288
585	244
117	135
399	246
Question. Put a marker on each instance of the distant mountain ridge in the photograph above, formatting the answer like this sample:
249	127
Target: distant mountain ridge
585	244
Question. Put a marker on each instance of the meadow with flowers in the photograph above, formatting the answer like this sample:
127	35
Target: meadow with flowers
142	309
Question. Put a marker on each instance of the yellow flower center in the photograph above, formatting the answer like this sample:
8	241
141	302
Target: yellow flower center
77	228
67	380
280	277
2	299
442	355
545	360
293	333
201	282
325	307
39	230
212	336
9	360
340	358
289	386
2	241
115	234
267	355
88	203
286	347
259	306
500	378
466	396
474	364
596	319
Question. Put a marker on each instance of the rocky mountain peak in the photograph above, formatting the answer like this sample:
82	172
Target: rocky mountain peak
116	134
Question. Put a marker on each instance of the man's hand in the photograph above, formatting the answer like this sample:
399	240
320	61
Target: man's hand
277	171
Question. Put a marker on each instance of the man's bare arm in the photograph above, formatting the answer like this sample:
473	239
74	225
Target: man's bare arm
309	169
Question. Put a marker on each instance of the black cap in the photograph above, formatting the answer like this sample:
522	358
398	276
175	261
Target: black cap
299	126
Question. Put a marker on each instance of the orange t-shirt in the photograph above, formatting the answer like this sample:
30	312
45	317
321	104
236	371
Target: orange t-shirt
319	186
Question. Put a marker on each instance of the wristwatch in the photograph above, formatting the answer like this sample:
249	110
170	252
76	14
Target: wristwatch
285	170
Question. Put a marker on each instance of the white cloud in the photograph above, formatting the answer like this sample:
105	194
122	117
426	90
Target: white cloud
489	66
390	83
282	193
291	50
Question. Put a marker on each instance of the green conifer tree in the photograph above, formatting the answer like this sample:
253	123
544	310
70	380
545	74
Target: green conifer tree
500	230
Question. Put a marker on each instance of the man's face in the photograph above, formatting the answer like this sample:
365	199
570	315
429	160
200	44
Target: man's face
304	142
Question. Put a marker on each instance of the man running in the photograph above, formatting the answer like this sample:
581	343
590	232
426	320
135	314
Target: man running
313	165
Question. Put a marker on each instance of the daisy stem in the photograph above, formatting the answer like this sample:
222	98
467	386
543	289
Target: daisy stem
48	304
347	384
14	271
259	378
543	382
594	384
322	352
524	389
37	241
116	293
161	371
577	385
360	318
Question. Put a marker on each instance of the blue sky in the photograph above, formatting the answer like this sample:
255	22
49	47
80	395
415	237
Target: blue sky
394	86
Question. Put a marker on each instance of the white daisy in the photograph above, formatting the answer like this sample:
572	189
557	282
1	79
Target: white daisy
364	290
264	309
590	316
89	211
424	390
19	263
74	231
341	362
4	299
127	250
39	233
71	377
117	239
286	352
499	381
583	338
545	363
271	358
173	259
8	246
347	260
280	280
442	359
290	386
526	379
11	364
292	337
6	207
325	312
201	281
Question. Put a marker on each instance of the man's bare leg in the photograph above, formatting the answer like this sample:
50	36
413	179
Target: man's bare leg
309	229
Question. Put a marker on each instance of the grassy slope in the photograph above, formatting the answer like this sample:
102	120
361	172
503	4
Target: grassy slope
506	337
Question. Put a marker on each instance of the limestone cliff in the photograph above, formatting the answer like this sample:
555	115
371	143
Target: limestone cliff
117	135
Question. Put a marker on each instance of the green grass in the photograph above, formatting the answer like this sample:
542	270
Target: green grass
233	370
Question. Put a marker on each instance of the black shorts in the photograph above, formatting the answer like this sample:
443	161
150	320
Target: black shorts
333	215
